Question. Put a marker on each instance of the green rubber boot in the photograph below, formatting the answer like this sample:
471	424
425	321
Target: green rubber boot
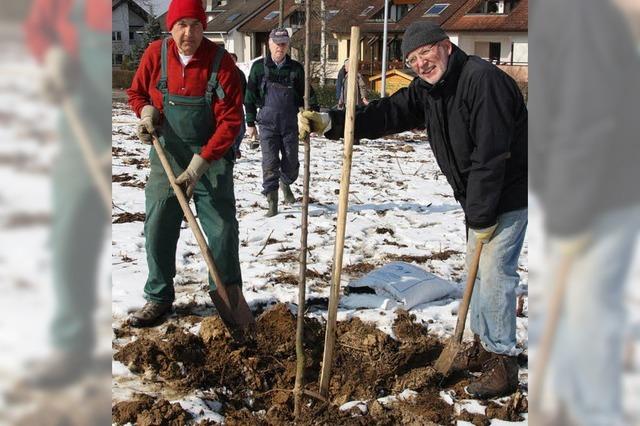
286	192
272	198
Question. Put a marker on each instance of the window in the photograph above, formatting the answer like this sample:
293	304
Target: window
297	18
116	59
396	13
331	13
488	50
132	35
232	17
332	52
315	52
367	11
272	15
116	35
494	52
500	7
436	9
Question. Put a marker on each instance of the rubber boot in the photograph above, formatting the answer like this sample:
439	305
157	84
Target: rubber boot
272	198
286	192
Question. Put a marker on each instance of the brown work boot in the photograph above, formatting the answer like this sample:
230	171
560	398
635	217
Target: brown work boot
472	358
152	313
286	192
500	378
272	198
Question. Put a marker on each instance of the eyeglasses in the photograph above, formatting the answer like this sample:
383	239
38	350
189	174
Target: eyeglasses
421	54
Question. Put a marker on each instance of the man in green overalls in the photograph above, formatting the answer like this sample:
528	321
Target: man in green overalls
188	91
71	40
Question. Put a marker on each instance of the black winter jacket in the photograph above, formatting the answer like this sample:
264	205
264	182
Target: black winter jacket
476	120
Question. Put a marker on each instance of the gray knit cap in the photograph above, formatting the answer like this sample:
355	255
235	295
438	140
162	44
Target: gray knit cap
420	33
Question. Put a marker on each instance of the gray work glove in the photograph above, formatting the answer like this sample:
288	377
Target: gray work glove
190	177
484	235
149	124
58	72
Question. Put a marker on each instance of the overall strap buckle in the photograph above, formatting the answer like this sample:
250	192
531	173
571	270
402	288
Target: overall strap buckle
162	82
213	85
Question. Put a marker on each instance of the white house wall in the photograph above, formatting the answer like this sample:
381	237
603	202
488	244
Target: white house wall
120	22
467	42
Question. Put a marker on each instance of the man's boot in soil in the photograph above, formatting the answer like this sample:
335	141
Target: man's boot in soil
500	378
472	358
272	198
152	313
286	192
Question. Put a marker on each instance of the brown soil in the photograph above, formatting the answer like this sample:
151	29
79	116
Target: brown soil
254	382
129	217
358	268
438	255
144	411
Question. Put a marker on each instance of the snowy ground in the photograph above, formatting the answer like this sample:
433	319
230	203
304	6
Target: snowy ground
399	205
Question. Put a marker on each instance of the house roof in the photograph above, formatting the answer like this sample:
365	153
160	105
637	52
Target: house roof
517	20
257	24
134	6
225	18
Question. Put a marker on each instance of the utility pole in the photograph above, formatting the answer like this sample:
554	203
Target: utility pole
323	43
281	14
383	88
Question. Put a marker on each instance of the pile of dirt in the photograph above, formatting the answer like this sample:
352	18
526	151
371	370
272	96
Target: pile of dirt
253	382
145	411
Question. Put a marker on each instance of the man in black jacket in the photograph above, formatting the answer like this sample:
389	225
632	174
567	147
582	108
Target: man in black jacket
476	119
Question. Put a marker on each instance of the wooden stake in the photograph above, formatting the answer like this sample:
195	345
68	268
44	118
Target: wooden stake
298	388
343	204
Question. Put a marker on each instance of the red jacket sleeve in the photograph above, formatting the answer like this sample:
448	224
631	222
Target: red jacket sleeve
227	112
48	24
145	76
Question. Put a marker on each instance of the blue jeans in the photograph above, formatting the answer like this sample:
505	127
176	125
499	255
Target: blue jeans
586	362
493	304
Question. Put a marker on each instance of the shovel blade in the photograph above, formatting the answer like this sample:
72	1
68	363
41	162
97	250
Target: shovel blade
445	361
236	315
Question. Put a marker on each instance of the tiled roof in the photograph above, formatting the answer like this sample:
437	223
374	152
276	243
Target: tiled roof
240	10
517	20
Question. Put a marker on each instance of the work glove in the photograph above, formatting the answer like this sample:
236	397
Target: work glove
484	235
251	132
149	124
313	122
58	74
190	177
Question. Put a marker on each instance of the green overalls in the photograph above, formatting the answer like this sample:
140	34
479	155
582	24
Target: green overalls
188	125
79	218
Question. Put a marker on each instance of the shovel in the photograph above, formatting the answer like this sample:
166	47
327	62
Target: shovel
229	302
448	355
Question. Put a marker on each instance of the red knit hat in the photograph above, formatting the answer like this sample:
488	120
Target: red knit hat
179	9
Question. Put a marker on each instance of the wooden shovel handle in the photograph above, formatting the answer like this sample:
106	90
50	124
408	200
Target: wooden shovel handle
191	220
468	291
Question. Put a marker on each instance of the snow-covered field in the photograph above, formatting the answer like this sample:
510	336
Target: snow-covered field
399	205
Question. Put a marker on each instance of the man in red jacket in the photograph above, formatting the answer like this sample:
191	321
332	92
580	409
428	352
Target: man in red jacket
70	39
188	91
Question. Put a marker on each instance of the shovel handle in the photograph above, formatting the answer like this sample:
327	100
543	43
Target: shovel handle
191	220
93	164
468	291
